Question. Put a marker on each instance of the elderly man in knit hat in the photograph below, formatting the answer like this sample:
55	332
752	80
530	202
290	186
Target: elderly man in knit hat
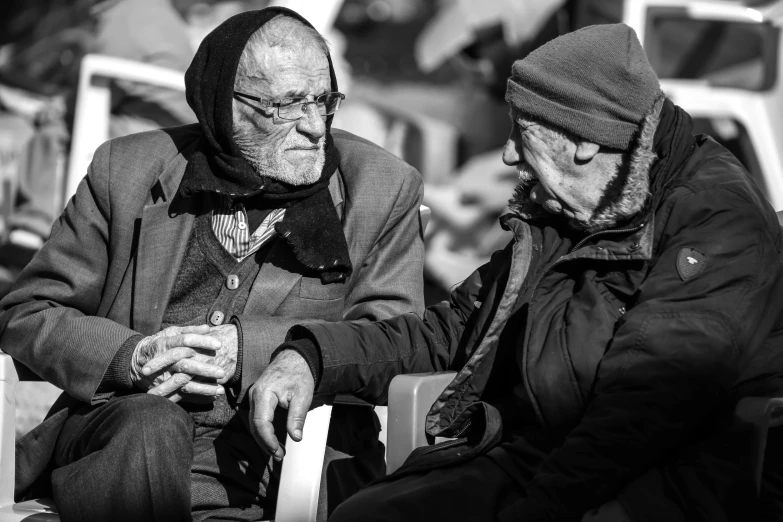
178	267
600	355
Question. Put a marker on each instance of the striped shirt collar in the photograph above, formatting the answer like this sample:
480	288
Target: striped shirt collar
230	225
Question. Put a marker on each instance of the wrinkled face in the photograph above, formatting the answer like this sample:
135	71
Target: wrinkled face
547	162
289	151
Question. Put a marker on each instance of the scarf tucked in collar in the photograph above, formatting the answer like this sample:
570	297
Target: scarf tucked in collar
311	226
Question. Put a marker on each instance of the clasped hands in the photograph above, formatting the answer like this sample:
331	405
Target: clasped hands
193	362
186	362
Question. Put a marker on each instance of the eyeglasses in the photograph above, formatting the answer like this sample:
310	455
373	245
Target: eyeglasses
293	109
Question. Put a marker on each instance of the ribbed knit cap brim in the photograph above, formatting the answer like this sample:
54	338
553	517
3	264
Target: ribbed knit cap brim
595	83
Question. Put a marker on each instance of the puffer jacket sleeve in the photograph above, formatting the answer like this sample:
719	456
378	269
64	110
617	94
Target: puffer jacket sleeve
675	355
362	358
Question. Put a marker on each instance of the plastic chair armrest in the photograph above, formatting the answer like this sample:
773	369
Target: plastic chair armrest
300	478
762	413
761	410
410	398
8	382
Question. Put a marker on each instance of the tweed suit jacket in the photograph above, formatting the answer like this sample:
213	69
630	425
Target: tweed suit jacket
108	269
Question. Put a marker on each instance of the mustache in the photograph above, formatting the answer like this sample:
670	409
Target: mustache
526	173
307	144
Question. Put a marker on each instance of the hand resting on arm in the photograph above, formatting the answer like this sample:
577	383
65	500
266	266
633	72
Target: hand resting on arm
287	382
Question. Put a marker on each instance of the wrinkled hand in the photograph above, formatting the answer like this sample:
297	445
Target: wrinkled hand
166	363
286	382
226	356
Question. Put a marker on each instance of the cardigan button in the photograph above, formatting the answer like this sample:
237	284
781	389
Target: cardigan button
232	282
217	318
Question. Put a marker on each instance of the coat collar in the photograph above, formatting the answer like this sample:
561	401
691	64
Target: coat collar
632	243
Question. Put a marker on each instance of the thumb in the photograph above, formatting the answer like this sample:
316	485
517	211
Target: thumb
297	413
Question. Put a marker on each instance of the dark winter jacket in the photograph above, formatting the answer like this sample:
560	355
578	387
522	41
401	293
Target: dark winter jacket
637	343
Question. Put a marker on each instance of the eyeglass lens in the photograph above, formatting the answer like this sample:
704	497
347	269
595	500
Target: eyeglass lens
326	104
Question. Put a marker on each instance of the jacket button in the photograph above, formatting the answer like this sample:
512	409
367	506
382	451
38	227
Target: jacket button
635	246
217	318
232	282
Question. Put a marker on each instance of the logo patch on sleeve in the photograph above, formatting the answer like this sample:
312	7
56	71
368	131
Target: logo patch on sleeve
690	263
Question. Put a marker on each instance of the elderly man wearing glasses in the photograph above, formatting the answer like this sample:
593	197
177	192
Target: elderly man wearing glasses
185	256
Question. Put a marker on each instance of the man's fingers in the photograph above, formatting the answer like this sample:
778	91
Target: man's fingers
297	413
166	359
198	369
201	329
192	340
170	385
182	383
203	388
263	409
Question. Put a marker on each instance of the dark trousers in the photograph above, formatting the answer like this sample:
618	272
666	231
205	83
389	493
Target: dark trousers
472	491
126	460
486	488
140	457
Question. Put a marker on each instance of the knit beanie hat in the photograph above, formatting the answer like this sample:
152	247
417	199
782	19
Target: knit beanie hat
595	83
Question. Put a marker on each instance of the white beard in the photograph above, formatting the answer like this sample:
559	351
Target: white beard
274	164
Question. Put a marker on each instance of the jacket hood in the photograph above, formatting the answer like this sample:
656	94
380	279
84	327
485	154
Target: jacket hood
632	198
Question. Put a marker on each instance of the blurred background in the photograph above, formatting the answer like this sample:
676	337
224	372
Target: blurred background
423	78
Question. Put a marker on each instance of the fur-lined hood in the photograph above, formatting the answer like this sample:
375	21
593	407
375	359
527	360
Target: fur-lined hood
632	198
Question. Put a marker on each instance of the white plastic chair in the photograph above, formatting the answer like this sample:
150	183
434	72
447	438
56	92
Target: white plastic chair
93	106
757	111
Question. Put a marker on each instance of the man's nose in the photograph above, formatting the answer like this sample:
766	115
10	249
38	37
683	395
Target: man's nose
510	154
311	123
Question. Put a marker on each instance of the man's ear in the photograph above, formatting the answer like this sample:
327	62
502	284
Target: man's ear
586	151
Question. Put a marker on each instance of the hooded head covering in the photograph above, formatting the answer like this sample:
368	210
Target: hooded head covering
311	225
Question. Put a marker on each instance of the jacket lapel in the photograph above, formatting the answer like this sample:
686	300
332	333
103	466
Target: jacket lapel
275	280
165	229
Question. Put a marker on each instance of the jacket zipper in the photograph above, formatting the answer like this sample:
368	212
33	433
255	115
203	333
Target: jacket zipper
543	274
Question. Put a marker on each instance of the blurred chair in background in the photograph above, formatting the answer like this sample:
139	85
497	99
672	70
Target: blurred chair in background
481	41
146	31
44	43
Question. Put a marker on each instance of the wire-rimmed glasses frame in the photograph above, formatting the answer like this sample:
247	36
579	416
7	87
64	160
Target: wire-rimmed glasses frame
291	110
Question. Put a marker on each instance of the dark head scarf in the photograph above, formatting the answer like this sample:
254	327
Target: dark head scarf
311	225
